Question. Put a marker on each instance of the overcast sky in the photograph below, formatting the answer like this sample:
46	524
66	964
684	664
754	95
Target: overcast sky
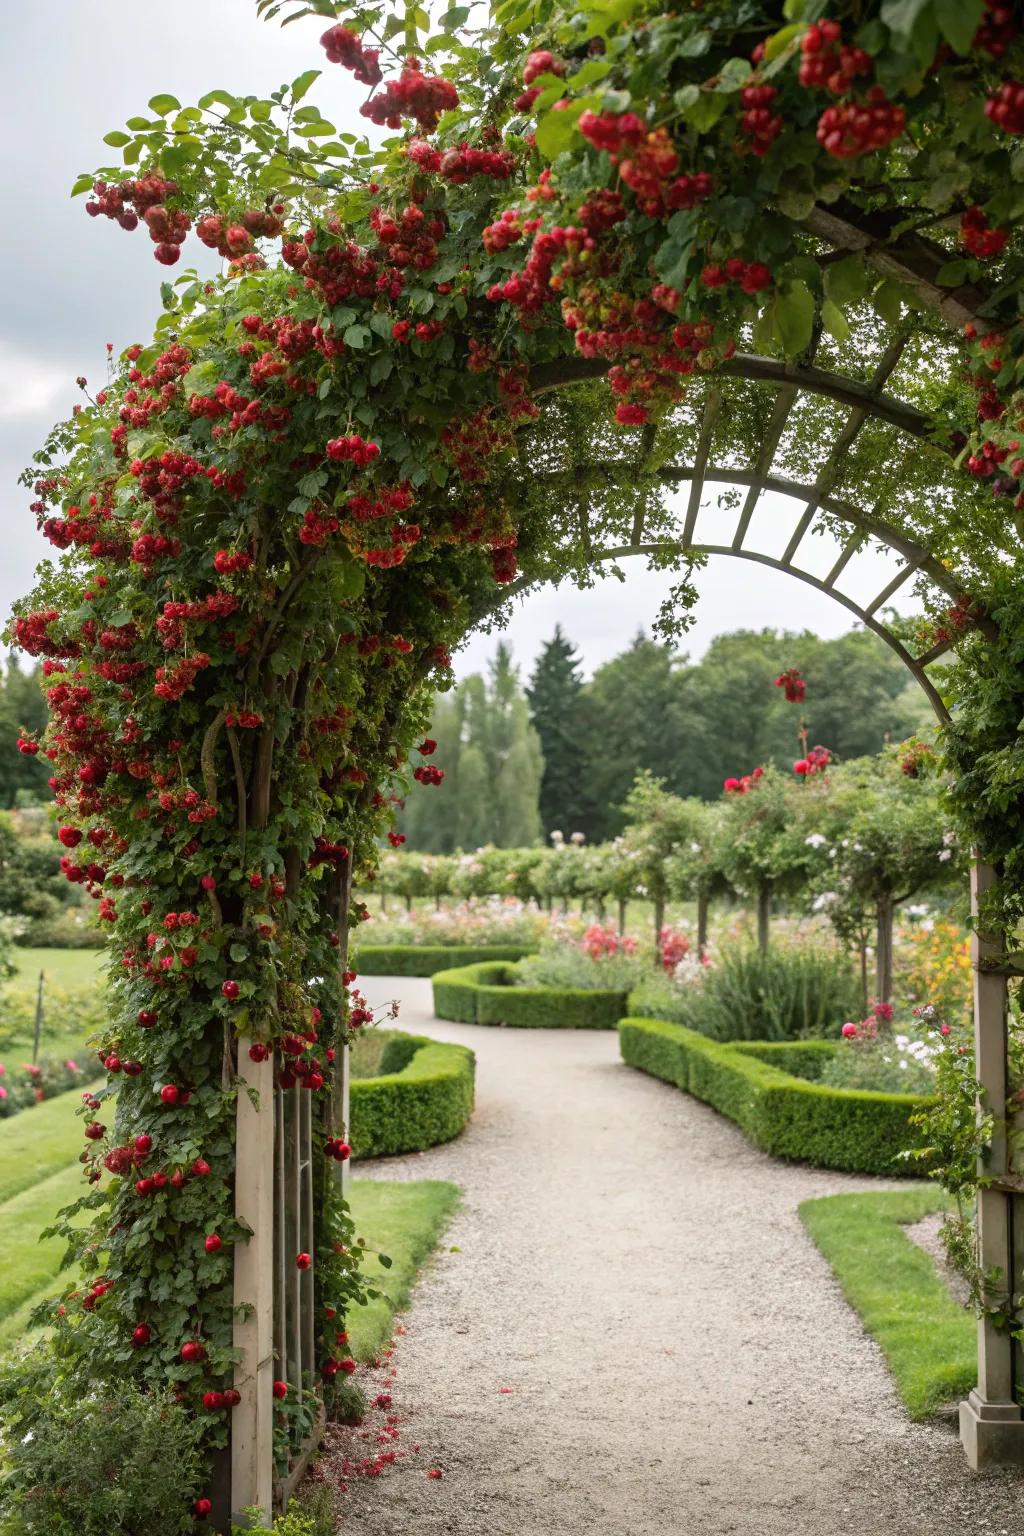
71	284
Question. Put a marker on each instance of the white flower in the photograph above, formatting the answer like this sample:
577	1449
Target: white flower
816	840
946	853
949	838
696	848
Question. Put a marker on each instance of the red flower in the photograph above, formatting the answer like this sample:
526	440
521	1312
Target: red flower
280	1390
303	1261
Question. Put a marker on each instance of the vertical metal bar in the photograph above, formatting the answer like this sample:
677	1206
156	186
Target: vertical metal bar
293	1276
306	1221
252	1429
280	1343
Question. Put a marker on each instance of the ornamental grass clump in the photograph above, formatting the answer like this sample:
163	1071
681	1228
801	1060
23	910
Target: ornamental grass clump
797	993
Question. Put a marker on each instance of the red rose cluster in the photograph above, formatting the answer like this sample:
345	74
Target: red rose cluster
744	785
414	95
344	47
816	761
793	684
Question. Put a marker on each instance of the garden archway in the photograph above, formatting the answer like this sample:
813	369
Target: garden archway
255	596
991	1425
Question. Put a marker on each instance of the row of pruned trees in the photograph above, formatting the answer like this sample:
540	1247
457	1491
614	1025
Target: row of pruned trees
853	841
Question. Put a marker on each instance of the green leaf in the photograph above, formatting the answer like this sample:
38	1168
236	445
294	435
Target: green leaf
455	18
556	130
780	41
312	484
846	281
238	952
694	46
733	74
302	83
357	337
794	316
834	321
164	105
900	16
886	302
958	21
951	274
117	139
705	111
82	184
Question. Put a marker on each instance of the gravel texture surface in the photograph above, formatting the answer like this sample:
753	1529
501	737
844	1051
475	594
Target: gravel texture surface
676	1355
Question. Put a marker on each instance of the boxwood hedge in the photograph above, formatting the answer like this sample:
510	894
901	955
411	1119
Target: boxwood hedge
764	1087
425	959
487	994
422	1095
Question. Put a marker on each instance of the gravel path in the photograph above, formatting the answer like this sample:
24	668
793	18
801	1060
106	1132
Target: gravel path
679	1356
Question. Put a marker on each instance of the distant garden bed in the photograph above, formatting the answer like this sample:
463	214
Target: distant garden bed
427	959
407	1093
490	994
770	1090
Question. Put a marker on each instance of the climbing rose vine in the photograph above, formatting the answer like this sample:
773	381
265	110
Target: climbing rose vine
277	518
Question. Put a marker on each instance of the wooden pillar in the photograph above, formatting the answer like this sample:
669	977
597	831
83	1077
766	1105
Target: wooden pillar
991	1422
252	1453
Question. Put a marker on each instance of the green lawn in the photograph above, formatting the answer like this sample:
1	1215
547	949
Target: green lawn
39	1143
67	967
30	1264
928	1340
406	1222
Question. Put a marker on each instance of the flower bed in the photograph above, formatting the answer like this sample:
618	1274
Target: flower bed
489	994
26	1085
426	959
415	1093
769	1090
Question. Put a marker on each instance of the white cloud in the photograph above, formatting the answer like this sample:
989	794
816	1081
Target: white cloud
31	385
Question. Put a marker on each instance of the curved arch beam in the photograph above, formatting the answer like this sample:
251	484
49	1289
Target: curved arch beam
766	370
684	551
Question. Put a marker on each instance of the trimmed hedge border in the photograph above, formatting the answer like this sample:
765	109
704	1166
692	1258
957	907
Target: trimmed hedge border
487	994
423	1095
426	959
755	1084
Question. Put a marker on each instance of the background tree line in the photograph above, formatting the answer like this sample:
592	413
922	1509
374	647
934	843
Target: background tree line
562	753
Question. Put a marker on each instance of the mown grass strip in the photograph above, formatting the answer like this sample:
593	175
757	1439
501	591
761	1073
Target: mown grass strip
406	1222
927	1338
39	1142
31	1263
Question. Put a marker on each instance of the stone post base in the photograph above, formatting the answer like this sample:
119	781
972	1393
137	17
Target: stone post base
992	1433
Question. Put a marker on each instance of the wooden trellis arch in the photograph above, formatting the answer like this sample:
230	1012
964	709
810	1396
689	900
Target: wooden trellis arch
991	1419
273	1333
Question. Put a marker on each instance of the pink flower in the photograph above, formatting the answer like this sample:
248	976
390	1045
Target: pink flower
883	1011
849	1031
3	1093
72	1066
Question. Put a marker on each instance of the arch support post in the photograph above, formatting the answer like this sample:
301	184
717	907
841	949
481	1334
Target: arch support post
252	1428
991	1421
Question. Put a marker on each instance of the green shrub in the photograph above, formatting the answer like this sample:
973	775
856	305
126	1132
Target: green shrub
426	959
570	968
488	994
422	1094
113	1462
782	1113
309	1514
787	994
78	1011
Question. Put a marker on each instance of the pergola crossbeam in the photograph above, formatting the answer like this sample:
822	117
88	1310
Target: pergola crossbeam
892	587
700	462
785	399
849	549
938	649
